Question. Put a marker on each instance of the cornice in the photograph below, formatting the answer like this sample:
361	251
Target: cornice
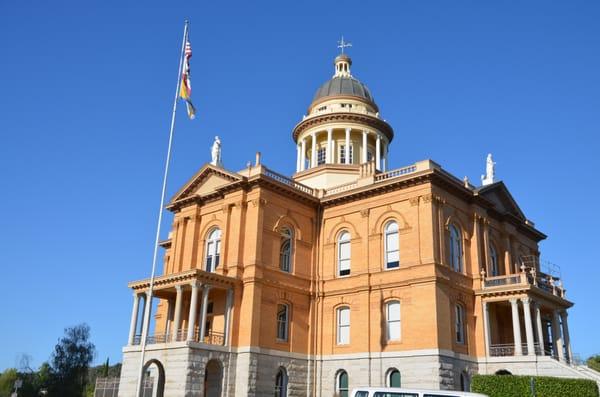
366	119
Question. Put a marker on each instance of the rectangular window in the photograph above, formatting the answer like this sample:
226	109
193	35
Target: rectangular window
343	328
282	322
394	394
459	324
321	156
344	258
343	154
393	321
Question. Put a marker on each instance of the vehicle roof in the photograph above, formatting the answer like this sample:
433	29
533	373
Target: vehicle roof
405	390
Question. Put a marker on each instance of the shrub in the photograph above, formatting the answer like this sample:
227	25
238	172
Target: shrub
561	387
520	386
501	385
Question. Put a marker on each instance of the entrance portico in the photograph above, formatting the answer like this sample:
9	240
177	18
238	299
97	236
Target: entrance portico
199	308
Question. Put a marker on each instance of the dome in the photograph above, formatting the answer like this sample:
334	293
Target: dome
343	84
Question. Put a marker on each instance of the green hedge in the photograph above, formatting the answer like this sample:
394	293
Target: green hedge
520	386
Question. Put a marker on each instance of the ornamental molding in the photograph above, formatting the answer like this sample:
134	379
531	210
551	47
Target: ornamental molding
371	121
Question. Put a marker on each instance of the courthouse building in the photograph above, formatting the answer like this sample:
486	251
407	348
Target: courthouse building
347	273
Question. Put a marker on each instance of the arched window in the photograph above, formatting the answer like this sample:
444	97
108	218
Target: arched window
341	384
281	381
393	320
393	378
459	323
465	383
283	316
456	249
285	250
391	243
213	250
494	269
343	325
344	254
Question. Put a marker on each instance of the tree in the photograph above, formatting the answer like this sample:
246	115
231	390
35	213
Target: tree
594	362
7	382
70	362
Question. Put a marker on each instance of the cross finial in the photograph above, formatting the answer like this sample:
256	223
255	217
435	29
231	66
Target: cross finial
343	44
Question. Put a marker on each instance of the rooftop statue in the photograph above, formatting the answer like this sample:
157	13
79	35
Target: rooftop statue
490	171
215	152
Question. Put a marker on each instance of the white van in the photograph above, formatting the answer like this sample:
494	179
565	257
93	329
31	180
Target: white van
401	392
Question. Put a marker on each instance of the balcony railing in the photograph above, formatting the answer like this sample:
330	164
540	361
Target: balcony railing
397	172
528	276
508	349
287	181
211	338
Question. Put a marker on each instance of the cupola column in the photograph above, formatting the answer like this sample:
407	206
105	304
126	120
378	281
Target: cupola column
303	155
364	146
378	153
298	157
313	151
329	155
347	149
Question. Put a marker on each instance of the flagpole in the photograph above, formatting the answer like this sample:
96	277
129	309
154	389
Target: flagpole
148	306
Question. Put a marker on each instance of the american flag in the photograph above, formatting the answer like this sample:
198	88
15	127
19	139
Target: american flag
185	92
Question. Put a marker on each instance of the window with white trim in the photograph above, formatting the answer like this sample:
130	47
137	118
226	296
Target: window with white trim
321	154
343	154
394	325
393	378
213	250
282	321
343	325
456	248
285	250
494	269
341	384
281	381
391	246
344	254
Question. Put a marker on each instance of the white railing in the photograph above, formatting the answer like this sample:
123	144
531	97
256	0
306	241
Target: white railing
508	349
341	188
397	172
211	338
527	277
287	181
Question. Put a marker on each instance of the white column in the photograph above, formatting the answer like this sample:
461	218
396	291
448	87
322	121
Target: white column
303	155
298	157
364	147
228	307
347	146
567	339
203	312
144	297
193	310
514	304
168	322
334	158
557	339
177	319
329	155
486	327
528	326
313	152
134	318
378	153
539	328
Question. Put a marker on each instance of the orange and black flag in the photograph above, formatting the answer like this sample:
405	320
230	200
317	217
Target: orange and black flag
185	91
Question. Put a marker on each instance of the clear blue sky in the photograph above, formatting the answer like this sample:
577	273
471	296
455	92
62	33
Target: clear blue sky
85	96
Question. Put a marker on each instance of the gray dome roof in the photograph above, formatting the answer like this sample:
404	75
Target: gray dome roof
344	86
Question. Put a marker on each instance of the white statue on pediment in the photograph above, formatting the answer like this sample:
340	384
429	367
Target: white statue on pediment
215	152
490	171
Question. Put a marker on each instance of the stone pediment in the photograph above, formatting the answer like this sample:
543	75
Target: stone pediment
205	182
498	194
